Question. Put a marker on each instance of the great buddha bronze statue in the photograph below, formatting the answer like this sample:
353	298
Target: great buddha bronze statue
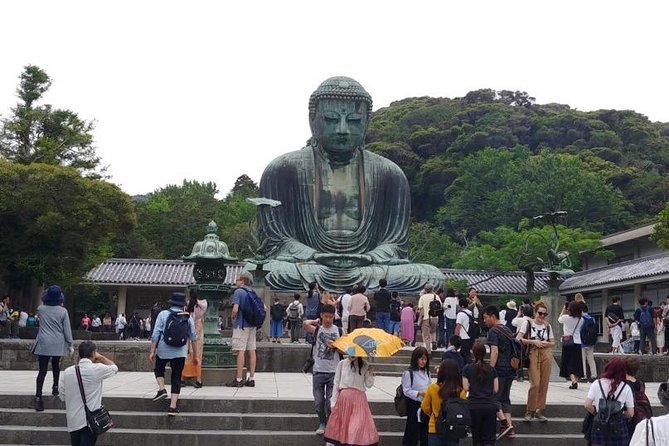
344	213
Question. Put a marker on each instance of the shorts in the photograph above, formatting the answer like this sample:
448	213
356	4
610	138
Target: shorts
244	339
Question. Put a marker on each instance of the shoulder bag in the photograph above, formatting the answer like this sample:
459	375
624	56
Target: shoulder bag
568	340
99	421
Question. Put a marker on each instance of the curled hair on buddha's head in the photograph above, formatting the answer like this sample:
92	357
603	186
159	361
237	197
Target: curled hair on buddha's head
339	88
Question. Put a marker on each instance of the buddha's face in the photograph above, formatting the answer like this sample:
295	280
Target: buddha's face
340	125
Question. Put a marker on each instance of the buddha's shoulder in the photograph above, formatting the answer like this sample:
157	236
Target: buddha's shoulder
382	162
290	158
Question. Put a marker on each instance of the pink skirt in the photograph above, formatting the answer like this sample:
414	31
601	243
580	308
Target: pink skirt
351	422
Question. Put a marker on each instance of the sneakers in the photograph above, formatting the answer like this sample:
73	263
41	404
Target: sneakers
250	383
197	384
172	411
39	404
511	433
160	395
504	430
321	429
235	383
54	391
573	386
528	416
539	416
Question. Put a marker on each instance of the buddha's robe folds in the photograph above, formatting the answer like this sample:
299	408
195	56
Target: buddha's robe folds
311	220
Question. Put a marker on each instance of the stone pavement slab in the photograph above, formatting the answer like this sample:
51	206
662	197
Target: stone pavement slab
282	386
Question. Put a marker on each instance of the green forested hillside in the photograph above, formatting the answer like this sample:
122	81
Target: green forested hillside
492	158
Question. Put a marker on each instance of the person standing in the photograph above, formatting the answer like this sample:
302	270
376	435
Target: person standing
441	325
23	318
382	302
448	385
655	431
295	312
571	363
428	326
462	325
162	353
243	333
450	312
395	314
538	335
415	381
482	383
54	340
500	339
85	322
588	341
343	302
614	317
611	385
665	322
277	314
94	368
96	323
121	324
358	307
407	320
351	421
107	323
313	306
10	325
326	359
197	308
645	318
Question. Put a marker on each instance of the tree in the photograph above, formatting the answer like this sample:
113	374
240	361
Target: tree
661	231
235	215
427	244
55	224
39	133
173	218
505	249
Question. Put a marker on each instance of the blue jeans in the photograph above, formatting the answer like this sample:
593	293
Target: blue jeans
276	329
383	320
449	328
440	440
323	384
393	327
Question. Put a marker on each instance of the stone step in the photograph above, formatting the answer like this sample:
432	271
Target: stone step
26	434
258	405
248	421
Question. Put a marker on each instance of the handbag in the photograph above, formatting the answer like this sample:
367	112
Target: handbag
568	340
99	420
401	399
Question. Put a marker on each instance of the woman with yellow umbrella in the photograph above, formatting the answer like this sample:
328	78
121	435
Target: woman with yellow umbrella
351	420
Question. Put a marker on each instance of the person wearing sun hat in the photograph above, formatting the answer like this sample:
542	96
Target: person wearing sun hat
54	339
161	353
655	429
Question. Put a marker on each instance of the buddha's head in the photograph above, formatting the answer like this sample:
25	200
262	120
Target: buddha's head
339	111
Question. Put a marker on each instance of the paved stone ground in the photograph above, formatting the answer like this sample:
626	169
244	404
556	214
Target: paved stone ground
284	386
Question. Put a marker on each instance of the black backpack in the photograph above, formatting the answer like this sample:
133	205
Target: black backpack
609	412
176	329
474	328
589	330
435	308
394	310
401	399
454	420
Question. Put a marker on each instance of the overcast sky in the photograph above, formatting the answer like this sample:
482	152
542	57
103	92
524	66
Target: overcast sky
211	90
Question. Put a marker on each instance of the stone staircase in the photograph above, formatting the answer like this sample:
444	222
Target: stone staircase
222	422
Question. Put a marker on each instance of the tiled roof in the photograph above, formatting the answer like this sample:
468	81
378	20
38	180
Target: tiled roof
638	269
496	283
151	272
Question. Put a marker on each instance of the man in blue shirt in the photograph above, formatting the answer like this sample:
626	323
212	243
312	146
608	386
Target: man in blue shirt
162	353
243	333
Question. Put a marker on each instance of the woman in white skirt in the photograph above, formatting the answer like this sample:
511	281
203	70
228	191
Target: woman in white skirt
659	330
351	421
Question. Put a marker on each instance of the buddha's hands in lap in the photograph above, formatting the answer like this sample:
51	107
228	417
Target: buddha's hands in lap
343	260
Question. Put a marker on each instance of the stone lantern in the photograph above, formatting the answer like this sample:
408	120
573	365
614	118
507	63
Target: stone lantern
213	271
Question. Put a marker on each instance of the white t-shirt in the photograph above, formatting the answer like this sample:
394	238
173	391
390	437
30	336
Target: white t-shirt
541	332
571	326
424	303
463	320
660	428
344	299
595	394
450	313
23	319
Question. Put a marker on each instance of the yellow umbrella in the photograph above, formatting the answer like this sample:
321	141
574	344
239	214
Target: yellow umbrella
369	342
